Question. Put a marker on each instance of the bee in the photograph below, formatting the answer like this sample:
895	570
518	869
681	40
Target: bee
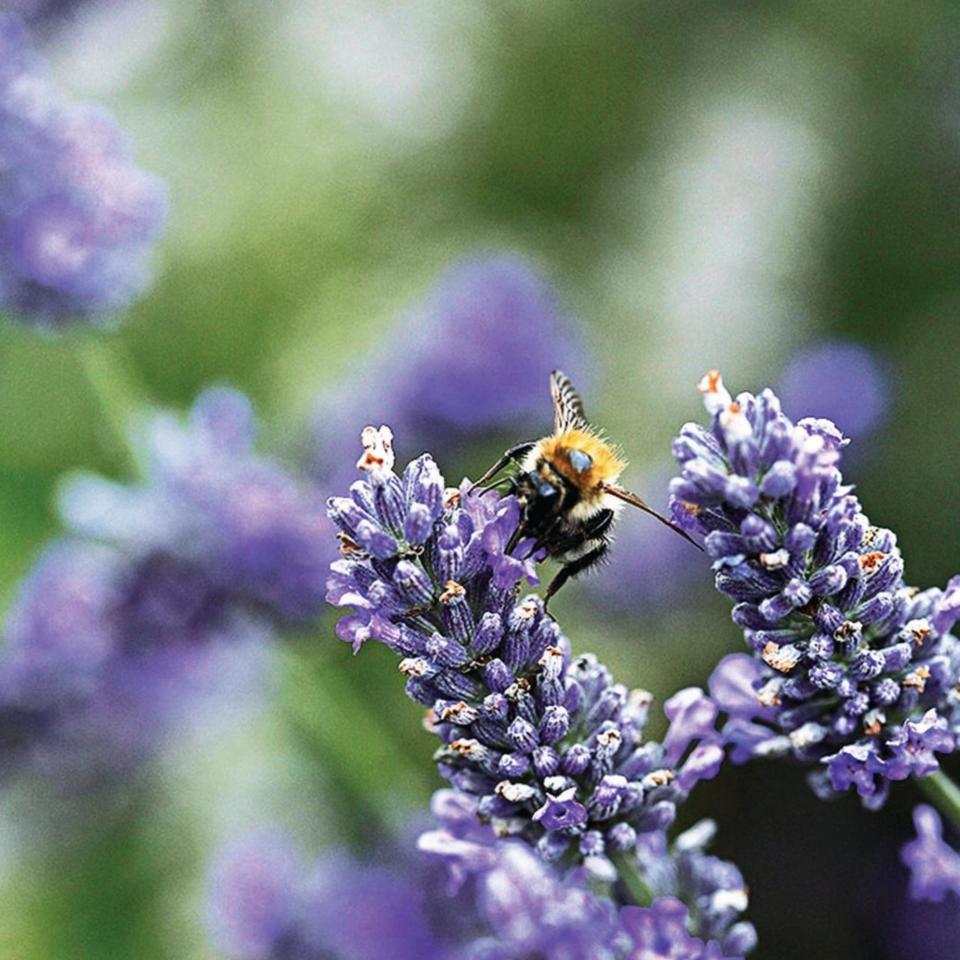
567	486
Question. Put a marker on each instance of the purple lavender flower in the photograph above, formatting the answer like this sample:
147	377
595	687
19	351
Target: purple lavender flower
77	216
851	668
265	904
539	909
843	382
659	932
934	865
39	13
469	361
214	547
550	745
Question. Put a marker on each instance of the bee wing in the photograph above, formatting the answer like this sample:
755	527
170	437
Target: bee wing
635	501
567	406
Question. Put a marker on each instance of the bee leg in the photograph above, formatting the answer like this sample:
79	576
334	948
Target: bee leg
515	538
573	568
510	456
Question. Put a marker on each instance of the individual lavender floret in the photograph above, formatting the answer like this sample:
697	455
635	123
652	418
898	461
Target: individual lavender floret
77	216
539	909
851	668
474	358
934	865
550	744
214	546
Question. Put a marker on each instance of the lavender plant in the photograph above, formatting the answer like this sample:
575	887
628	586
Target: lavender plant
851	671
121	619
541	746
77	216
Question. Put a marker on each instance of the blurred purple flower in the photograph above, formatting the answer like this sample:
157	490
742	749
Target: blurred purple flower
934	865
117	625
77	216
853	669
41	12
263	903
471	360
839	381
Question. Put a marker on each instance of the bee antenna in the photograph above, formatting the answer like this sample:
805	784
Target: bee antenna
635	501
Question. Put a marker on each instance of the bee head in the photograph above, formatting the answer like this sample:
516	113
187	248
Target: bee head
580	460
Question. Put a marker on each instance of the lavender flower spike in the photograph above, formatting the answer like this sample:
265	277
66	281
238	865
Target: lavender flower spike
213	547
548	743
851	670
77	216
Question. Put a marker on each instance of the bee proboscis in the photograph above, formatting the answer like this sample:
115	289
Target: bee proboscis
567	486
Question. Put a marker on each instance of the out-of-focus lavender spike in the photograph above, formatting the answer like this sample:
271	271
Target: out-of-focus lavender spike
472	359
115	626
841	381
77	216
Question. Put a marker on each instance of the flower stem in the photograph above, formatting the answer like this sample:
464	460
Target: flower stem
640	894
356	747
944	794
117	391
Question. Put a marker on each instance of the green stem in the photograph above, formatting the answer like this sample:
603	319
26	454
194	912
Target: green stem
944	794
116	388
353	743
640	893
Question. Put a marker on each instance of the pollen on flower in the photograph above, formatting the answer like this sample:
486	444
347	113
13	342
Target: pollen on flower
514	792
451	498
377	458
460	713
768	696
465	746
735	425
917	678
659	778
715	394
552	655
918	630
452	591
873	722
783	658
776	560
348	546
414	667
870	561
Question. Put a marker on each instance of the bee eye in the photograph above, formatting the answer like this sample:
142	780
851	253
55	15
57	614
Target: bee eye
579	460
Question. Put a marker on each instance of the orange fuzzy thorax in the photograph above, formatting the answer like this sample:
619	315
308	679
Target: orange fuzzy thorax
607	464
